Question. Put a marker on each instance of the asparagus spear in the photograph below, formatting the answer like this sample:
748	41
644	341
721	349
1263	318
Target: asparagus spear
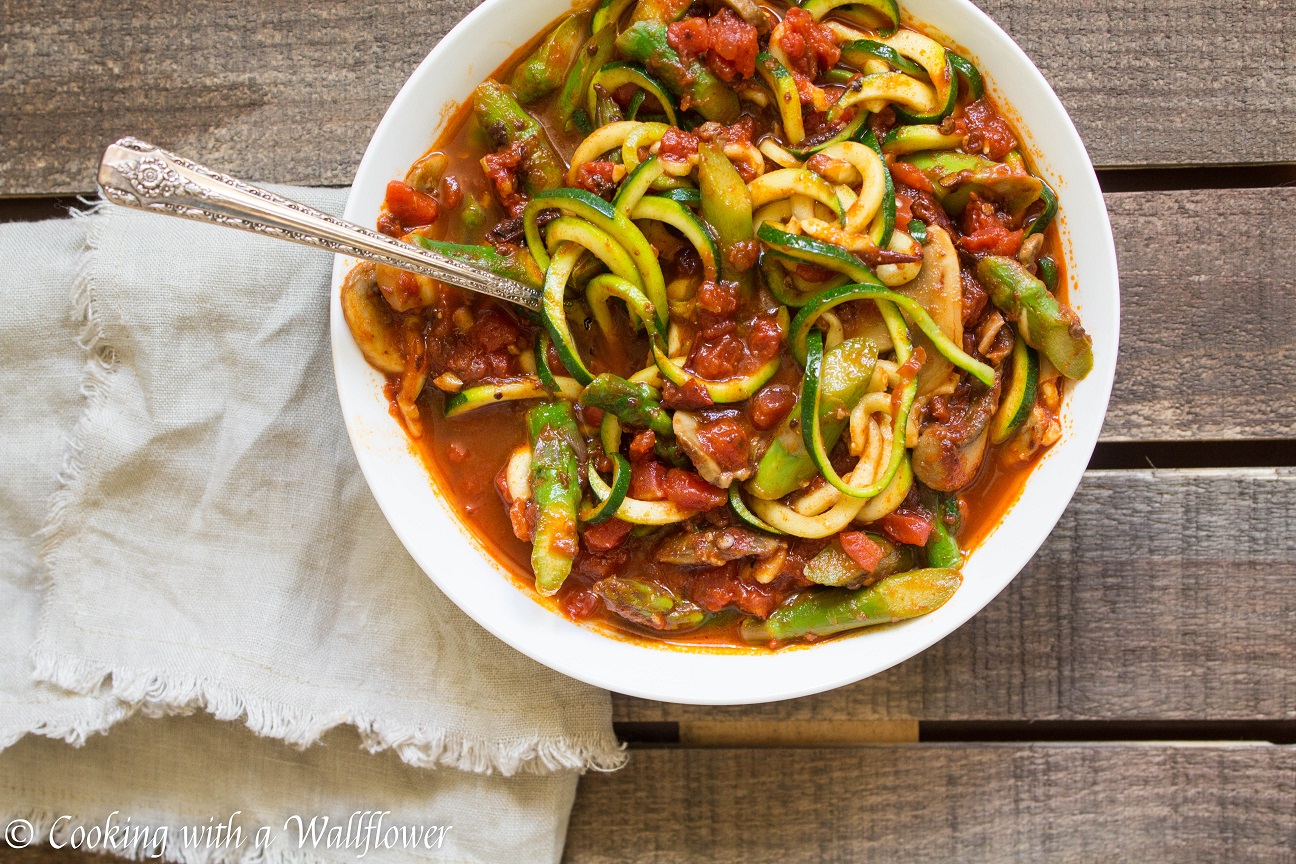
649	605
507	124
663	11
696	85
833	567
544	71
1046	325
942	544
515	263
828	611
633	404
556	489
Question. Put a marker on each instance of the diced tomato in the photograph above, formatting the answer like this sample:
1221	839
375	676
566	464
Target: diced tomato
810	46
580	604
768	407
765	337
678	146
608	535
691	396
717	360
412	207
493	330
642	445
592	416
688	490
734	47
501	168
907	174
522	516
726	442
986	131
598	177
984	230
904	527
715	589
862	549
648	480
718	298
690	38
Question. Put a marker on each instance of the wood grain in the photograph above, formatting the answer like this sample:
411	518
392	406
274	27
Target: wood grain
1208	341
1161	595
291	92
922	803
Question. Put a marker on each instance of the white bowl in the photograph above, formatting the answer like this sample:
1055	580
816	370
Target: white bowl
447	551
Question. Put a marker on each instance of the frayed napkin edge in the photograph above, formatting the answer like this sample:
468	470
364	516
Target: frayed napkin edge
155	696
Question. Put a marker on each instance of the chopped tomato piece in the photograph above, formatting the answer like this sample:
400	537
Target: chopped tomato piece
809	45
412	207
910	528
690	38
986	131
608	535
862	549
715	589
642	445
648	480
579	604
985	230
734	47
691	492
907	174
599	178
770	406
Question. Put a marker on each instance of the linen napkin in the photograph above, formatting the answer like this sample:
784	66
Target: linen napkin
186	530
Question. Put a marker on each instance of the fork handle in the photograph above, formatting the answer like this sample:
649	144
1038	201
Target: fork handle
136	174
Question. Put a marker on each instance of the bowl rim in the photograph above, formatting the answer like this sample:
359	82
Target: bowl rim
700	676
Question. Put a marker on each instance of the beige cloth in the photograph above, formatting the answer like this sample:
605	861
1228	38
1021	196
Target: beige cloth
210	546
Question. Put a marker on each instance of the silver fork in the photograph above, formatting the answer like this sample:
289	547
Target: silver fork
136	174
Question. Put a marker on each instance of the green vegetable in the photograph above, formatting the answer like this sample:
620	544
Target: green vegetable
801	248
609	12
614	76
1019	397
1048	272
833	568
591	58
601	512
482	395
645	42
812	409
859	52
1013	188
912	139
970	74
918	230
1045	324
555	487
633	404
1040	222
865	13
942	544
744	513
884	229
727	208
515	264
507	124
786	94
843	380
827	611
544	71
649	605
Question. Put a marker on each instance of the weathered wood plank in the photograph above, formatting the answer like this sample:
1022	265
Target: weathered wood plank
1161	595
1208	342
924	803
291	93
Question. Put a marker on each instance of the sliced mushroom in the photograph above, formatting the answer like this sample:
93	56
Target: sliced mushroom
939	288
374	324
949	455
686	425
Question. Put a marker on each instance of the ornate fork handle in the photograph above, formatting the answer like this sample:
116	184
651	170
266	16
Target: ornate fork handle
136	174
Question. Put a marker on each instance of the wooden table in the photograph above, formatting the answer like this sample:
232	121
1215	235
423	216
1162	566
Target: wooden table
1129	696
